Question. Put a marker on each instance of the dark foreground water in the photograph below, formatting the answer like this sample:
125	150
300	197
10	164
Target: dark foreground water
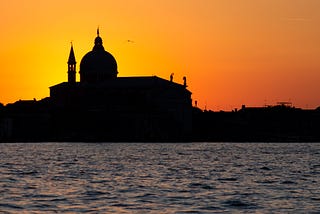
159	178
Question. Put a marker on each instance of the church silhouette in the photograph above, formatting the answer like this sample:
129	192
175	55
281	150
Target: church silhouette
103	106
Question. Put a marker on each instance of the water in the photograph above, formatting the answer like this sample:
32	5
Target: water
159	178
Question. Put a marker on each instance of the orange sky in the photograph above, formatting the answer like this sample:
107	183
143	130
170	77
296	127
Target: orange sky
233	52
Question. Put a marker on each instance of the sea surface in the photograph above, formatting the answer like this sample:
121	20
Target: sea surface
160	178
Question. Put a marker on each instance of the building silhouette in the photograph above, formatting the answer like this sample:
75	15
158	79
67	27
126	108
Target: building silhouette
104	106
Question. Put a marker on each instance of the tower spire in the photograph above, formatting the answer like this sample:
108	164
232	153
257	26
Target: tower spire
71	66
98	31
72	58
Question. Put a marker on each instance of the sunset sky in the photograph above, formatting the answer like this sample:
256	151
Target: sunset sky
233	52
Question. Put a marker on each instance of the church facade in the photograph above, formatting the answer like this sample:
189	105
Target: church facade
103	106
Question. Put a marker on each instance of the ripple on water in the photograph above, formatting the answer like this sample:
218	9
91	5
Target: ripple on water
27	172
227	179
267	181
147	195
5	206
200	185
94	193
289	182
238	204
265	168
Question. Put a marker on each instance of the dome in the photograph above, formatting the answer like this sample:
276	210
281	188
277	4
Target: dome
98	65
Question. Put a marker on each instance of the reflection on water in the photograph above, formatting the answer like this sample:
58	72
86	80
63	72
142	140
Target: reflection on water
159	178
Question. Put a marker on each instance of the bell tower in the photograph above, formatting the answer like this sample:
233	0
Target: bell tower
72	66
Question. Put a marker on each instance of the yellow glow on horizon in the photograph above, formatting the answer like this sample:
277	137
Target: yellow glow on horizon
232	52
